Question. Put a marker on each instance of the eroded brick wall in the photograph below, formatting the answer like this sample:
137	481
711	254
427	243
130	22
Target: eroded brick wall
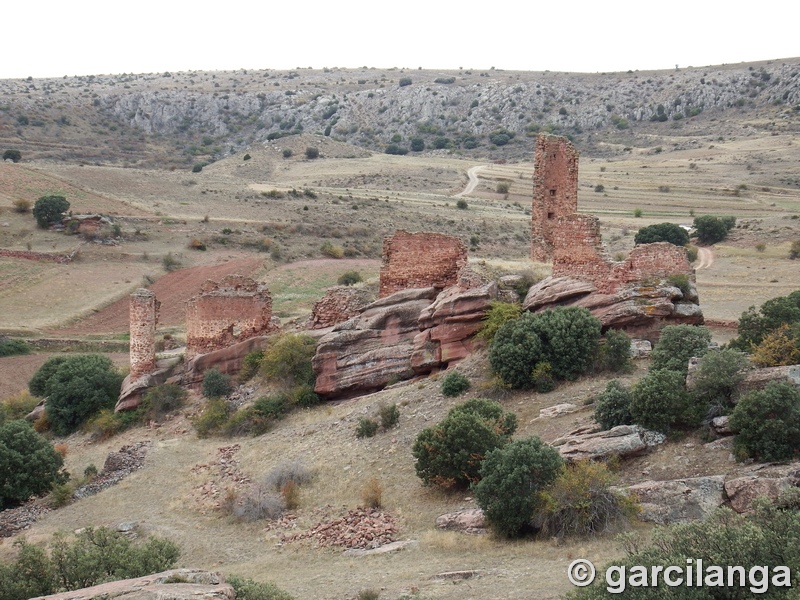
40	256
226	312
555	191
419	260
144	309
579	253
339	304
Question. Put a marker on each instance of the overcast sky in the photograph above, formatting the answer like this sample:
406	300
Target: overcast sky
52	38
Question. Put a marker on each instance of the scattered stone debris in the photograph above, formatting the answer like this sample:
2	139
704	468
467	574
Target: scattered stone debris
359	528
456	575
117	467
14	520
224	475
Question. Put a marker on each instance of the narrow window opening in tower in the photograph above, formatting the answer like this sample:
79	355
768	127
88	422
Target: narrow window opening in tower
552	193
550	215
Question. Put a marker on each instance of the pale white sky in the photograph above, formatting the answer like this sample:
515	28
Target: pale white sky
52	38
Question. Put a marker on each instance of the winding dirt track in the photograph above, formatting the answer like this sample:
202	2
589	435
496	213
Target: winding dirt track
472	173
705	258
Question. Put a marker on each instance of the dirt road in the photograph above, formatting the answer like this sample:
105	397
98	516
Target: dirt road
472	173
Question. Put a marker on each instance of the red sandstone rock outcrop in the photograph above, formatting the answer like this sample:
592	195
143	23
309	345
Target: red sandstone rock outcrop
420	260
679	501
623	441
640	310
339	304
224	313
448	326
373	349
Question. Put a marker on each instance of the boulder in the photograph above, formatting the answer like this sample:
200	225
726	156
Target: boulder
471	520
640	310
449	324
680	500
591	442
559	410
189	584
641	349
743	491
373	349
721	425
757	379
225	360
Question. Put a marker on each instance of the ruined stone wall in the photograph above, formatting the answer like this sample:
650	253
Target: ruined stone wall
339	304
227	312
419	260
555	191
144	309
40	256
579	253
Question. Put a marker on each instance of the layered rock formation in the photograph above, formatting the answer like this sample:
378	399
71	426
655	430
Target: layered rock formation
638	309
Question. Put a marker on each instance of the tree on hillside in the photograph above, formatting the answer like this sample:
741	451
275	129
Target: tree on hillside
711	230
29	465
12	155
49	209
662	232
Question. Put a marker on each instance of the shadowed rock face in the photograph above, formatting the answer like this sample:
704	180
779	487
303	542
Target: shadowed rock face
409	333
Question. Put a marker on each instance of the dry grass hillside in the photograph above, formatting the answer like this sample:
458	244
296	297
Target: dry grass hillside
269	216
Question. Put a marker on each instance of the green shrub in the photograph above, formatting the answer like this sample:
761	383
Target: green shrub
331	251
366	428
615	354
312	153
216	384
197	167
170	263
396	150
794	250
454	384
710	229
212	419
599	188
680	281
246	157
780	347
94	556
304	396
404	81
287	153
691	252
498	314
272	407
613	406
767	423
450	453
564	337
247	589
510	477
662	232
389	415
49	209
717	378
582	502
754	325
76	387
462	204
161	400
9	347
677	344
417	144
502	187
12	155
17	406
29	466
349	278
659	401
250	365
542	376
768	537
287	360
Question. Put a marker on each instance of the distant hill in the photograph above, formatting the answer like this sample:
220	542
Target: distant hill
177	119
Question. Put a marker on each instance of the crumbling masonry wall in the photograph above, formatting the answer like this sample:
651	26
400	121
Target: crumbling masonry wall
144	309
555	191
224	313
420	260
579	253
339	304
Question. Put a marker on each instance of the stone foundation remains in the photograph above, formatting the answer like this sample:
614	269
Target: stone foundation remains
555	191
339	304
143	322
225	313
420	260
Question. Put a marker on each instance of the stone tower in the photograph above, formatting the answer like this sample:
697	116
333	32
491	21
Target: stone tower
143	319
555	191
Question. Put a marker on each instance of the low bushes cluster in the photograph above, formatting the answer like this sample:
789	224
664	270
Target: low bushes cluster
613	406
89	558
12	347
454	384
564	338
450	453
